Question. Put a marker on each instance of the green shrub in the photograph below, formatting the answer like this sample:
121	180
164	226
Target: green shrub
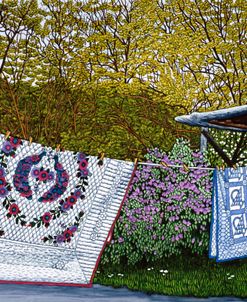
167	210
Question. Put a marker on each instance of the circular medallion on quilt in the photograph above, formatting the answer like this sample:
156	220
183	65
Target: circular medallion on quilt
41	191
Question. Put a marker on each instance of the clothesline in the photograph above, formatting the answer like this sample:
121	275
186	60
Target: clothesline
163	165
174	166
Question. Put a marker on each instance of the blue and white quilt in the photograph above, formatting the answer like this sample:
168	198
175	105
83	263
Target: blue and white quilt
229	215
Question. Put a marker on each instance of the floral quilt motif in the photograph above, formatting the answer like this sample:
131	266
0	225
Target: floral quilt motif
57	209
59	187
22	172
27	167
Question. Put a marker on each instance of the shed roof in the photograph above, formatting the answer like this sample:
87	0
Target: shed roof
234	119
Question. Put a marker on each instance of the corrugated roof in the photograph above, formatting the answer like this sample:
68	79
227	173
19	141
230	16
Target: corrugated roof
234	119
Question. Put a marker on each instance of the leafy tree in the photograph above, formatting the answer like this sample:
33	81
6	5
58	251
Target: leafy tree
111	75
234	144
202	42
18	22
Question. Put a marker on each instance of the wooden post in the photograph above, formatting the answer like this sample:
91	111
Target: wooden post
217	148
203	141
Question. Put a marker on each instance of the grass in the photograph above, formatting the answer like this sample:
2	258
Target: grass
199	277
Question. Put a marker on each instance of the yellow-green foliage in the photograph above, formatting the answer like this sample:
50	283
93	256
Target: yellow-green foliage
110	75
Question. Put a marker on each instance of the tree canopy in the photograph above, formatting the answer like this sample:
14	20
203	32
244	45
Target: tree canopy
110	75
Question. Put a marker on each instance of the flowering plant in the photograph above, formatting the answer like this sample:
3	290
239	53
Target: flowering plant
167	209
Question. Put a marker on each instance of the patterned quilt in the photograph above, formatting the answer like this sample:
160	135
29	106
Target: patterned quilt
57	210
229	215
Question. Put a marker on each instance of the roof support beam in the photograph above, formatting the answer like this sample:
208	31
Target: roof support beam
218	149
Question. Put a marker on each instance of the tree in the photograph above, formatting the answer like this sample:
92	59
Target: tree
204	50
18	22
112	74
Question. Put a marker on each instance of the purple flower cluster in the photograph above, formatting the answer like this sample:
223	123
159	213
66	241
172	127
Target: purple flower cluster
60	186
165	208
3	189
10	145
21	174
42	175
68	203
82	160
67	233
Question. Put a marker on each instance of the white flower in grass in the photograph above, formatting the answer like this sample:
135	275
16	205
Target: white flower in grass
150	268
121	275
164	271
232	276
110	276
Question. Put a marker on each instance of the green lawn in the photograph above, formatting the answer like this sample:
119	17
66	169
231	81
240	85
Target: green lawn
198	277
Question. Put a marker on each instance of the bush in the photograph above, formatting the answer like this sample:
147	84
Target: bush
167	210
228	141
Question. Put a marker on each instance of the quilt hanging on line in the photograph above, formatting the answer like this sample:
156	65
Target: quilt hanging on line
57	210
228	238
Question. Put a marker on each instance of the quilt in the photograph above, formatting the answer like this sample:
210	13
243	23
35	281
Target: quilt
57	210
228	236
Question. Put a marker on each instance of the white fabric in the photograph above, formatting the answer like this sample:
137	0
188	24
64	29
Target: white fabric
24	254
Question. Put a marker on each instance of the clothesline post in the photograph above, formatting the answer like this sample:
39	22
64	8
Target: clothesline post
203	141
233	119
